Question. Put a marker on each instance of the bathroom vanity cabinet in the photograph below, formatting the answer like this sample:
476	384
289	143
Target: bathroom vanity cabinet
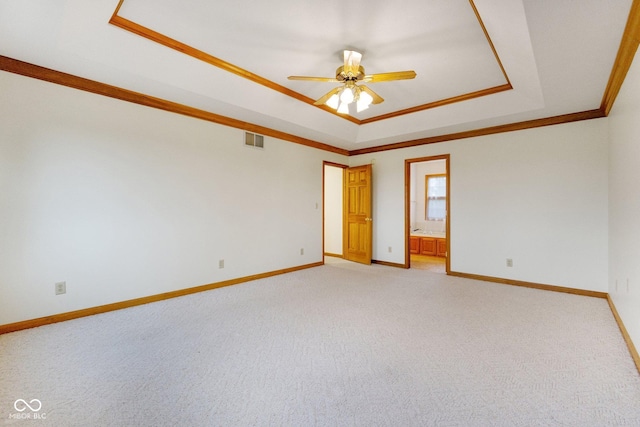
433	246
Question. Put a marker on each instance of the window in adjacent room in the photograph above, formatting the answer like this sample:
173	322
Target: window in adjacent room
436	197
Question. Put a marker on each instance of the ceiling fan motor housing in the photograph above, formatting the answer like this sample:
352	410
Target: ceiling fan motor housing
342	76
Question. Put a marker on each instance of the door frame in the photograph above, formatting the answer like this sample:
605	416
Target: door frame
407	205
326	163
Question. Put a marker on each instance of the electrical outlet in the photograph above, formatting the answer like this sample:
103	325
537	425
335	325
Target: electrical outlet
301	251
390	249
509	262
61	288
221	263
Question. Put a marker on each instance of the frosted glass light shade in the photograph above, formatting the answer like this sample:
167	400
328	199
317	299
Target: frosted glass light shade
364	101
346	95
333	101
361	106
365	97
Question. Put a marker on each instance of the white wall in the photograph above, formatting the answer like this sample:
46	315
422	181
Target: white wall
123	201
624	199
333	189
538	196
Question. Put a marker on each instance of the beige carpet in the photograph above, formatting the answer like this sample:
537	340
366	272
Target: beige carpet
337	345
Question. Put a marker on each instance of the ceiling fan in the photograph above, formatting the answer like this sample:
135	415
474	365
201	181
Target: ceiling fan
350	74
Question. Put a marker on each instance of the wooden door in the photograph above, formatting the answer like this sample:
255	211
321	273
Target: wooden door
358	224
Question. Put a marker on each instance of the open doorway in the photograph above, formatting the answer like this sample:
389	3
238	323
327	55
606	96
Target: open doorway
427	213
347	210
332	223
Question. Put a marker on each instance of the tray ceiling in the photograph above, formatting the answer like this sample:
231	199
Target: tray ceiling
546	57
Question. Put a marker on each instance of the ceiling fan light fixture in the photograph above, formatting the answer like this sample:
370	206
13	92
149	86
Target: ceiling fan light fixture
346	95
361	106
350	74
343	108
334	101
364	101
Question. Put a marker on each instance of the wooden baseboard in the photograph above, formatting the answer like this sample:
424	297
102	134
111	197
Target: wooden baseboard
55	318
388	264
553	288
333	255
27	324
373	261
632	349
625	334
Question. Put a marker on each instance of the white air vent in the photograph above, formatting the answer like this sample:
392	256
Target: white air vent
253	140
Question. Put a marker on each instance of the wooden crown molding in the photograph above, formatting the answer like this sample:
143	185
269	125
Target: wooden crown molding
439	103
162	39
159	38
529	124
41	73
64	79
626	52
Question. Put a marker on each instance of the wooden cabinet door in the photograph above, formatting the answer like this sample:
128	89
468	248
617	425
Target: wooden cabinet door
358	224
414	245
428	246
441	249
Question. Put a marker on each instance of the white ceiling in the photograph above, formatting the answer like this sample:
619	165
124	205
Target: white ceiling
557	55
